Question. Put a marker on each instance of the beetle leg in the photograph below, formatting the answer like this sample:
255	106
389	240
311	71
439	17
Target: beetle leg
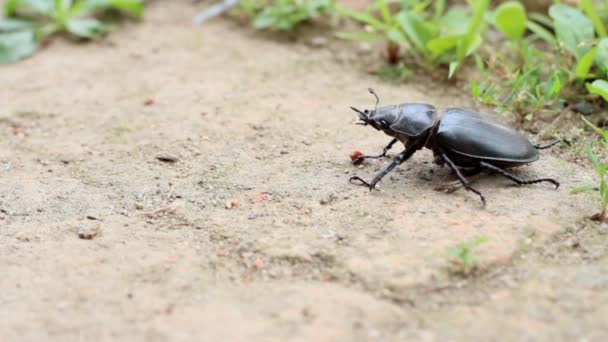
463	180
542	147
516	179
452	185
386	149
400	158
358	179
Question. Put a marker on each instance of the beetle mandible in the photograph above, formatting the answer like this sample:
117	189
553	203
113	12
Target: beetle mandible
460	138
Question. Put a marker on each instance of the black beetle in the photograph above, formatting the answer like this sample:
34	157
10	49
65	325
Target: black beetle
462	139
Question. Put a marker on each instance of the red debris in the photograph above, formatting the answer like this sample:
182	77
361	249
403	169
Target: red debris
258	264
355	156
231	204
261	197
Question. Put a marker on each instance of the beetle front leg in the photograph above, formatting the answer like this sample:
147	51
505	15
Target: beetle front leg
463	180
384	151
399	159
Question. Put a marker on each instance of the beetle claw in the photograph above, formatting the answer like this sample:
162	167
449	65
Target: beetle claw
483	201
359	179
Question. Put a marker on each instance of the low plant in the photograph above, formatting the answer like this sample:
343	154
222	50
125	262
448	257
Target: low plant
527	76
463	255
535	85
283	15
28	22
431	36
600	168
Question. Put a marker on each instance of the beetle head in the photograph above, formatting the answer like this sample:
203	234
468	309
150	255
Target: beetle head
379	118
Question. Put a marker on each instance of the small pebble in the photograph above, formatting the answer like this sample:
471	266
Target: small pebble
88	232
252	216
167	158
258	264
231	204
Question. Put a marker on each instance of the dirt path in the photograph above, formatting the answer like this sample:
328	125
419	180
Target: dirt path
304	255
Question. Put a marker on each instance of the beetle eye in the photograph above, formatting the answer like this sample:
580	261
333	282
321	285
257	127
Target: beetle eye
384	123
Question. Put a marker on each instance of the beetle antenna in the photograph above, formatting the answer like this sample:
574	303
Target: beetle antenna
371	91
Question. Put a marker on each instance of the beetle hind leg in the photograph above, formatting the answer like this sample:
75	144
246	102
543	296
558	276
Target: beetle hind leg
451	183
463	181
515	179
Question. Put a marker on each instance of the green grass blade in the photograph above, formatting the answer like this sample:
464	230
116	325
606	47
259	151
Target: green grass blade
589	9
583	188
360	36
541	32
585	63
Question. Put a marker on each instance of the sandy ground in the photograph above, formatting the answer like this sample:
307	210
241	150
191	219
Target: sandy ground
302	255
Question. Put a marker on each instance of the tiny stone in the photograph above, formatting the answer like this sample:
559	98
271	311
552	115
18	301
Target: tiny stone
88	232
139	206
252	216
167	158
319	41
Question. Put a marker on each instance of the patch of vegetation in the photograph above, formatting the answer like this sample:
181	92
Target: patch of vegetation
463	256
600	168
283	15
430	34
533	62
561	61
28	22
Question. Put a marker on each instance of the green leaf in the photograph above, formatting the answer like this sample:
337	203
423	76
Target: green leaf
474	29
601	132
553	87
364	36
599	87
479	240
573	29
363	17
132	7
585	63
541	32
583	188
601	58
397	36
11	7
386	12
452	68
86	28
454	22
439	46
416	29
11	25
510	19
17	45
591	12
